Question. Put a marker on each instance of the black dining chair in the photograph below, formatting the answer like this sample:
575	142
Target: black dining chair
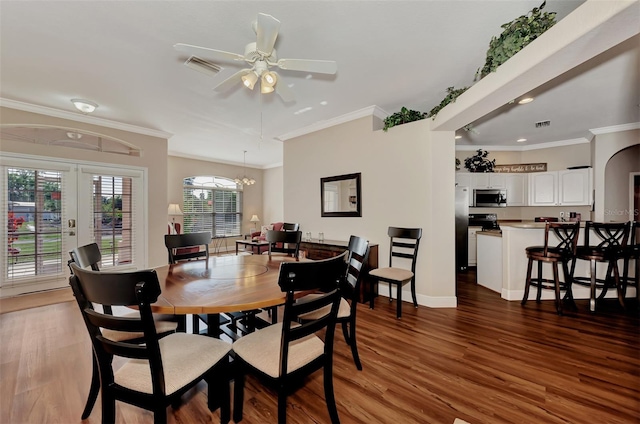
404	244
89	256
178	244
629	253
358	254
284	243
158	370
283	353
290	226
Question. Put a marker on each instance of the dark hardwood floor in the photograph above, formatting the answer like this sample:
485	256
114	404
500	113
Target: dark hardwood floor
486	361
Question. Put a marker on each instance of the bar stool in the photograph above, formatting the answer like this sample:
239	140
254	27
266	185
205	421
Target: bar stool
563	252
612	241
632	251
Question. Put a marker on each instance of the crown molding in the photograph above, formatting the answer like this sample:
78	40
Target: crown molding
561	143
615	128
63	114
222	161
351	116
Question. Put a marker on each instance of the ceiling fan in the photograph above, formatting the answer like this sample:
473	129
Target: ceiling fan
261	56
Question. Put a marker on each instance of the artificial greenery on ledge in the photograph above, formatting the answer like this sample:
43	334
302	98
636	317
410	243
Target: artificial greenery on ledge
516	35
452	95
405	115
479	162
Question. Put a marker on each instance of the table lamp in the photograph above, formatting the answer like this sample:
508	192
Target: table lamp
255	219
174	210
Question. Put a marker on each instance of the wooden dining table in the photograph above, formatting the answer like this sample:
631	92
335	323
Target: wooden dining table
221	284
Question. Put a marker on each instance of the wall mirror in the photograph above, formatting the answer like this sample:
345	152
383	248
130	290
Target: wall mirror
340	196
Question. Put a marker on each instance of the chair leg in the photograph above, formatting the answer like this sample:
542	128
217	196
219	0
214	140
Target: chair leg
616	280
371	297
93	390
556	281
527	283
350	338
399	306
568	284
328	392
539	292
238	392
219	394
196	323
160	415
413	292
108	408
282	404
390	296
592	298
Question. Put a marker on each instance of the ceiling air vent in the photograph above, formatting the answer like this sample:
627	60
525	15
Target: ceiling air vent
542	124
202	65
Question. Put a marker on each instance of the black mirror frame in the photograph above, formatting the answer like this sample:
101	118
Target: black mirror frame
358	211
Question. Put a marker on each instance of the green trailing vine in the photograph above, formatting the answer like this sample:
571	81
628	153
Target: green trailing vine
452	95
516	35
405	115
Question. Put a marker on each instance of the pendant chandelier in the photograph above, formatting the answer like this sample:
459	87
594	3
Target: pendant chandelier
244	180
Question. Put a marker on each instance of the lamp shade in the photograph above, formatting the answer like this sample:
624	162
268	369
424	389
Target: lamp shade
174	209
255	218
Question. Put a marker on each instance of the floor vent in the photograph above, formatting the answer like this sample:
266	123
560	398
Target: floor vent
202	65
543	124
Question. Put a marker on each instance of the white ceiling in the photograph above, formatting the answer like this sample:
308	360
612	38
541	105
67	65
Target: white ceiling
389	54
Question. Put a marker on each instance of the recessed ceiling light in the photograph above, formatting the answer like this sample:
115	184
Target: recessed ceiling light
303	110
525	100
309	76
324	103
84	106
74	135
521	140
458	137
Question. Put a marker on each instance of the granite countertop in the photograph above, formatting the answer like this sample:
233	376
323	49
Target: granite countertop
530	224
490	233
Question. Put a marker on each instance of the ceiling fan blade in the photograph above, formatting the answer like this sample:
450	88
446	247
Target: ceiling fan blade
207	53
228	83
283	90
318	66
267	28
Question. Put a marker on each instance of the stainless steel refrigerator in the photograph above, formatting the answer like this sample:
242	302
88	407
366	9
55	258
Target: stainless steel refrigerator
462	226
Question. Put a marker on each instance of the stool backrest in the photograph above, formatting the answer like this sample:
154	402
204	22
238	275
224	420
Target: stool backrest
634	235
609	234
567	234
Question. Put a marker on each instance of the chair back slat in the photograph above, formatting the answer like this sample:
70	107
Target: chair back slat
289	226
609	234
284	242
358	256
567	234
404	249
88	256
175	241
324	277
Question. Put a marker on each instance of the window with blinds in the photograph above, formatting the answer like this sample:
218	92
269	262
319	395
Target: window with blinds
212	204
34	228
113	209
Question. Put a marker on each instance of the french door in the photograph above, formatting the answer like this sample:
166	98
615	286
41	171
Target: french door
49	207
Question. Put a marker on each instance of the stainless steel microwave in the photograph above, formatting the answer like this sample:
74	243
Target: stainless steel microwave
489	198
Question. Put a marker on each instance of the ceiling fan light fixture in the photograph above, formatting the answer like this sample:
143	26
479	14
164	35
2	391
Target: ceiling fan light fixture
249	80
265	89
268	82
84	106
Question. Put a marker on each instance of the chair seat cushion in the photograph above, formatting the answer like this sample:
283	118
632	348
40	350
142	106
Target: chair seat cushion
344	311
162	323
185	357
393	274
261	349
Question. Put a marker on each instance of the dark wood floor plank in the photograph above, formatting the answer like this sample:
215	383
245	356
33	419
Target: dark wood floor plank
486	361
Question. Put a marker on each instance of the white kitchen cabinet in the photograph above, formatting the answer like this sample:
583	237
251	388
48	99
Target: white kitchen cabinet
561	188
488	180
471	260
516	185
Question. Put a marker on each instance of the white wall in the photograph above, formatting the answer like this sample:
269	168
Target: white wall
272	196
616	194
605	146
407	180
